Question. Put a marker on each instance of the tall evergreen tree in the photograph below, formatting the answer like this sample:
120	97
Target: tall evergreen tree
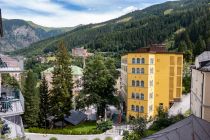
30	93
44	103
200	46
98	86
61	93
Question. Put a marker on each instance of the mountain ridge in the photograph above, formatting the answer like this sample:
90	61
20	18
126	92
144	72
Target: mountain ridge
20	34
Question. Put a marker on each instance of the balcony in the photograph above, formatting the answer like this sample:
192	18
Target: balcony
11	103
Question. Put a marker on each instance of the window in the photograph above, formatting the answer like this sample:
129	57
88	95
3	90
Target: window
133	60
138	70
137	83
133	95
142	96
142	61
133	70
142	70
133	83
151	83
141	109
151	60
137	108
133	108
138	60
151	70
137	96
151	95
142	83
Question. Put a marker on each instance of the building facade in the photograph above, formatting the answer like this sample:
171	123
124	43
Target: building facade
150	77
77	74
200	89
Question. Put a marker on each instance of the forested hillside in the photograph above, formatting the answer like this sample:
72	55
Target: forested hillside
183	25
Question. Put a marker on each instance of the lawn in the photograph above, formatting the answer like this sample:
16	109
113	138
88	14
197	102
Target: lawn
81	129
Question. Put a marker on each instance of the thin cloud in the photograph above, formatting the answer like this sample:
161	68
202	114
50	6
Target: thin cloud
67	13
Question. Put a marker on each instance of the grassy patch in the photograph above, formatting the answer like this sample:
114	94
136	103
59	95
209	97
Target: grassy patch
167	12
81	129
124	20
180	31
149	132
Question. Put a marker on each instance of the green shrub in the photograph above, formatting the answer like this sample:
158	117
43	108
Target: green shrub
104	125
108	138
96	139
53	138
131	136
65	131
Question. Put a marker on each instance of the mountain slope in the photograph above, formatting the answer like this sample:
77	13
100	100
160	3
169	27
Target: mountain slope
155	24
20	34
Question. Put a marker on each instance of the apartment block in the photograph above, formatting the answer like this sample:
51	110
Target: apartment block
150	77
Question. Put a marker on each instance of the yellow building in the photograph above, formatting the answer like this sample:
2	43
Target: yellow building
150	77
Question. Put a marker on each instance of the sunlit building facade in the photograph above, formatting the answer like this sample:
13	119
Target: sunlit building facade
150	77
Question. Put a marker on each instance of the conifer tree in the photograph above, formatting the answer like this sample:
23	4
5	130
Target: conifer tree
44	103
99	85
30	93
61	93
200	46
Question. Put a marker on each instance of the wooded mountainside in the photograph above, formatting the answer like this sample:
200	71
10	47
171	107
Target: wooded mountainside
183	25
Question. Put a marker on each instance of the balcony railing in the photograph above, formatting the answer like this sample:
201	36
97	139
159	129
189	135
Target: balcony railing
11	104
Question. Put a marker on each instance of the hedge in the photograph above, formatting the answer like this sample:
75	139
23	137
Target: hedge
64	131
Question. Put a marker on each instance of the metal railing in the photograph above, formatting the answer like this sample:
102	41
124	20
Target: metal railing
12	103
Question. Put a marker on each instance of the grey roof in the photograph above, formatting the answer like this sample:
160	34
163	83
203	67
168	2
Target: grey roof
202	62
191	128
205	56
76	117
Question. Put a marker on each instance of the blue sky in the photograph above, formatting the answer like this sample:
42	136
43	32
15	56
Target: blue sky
68	13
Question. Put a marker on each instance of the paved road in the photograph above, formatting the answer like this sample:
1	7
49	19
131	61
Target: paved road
35	136
180	107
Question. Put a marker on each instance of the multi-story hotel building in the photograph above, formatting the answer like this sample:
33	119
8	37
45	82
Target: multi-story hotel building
150	77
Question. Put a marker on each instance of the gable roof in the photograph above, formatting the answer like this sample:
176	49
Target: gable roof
191	128
76	117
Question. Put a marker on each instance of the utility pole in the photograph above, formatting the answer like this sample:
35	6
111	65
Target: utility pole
1	25
1	35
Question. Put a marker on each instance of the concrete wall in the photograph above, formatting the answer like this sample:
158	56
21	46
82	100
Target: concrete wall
206	97
200	94
196	92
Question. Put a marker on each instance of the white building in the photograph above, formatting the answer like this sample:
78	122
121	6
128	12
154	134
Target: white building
200	87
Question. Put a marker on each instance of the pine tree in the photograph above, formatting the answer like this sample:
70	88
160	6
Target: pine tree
30	93
200	46
182	46
98	86
61	93
44	103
